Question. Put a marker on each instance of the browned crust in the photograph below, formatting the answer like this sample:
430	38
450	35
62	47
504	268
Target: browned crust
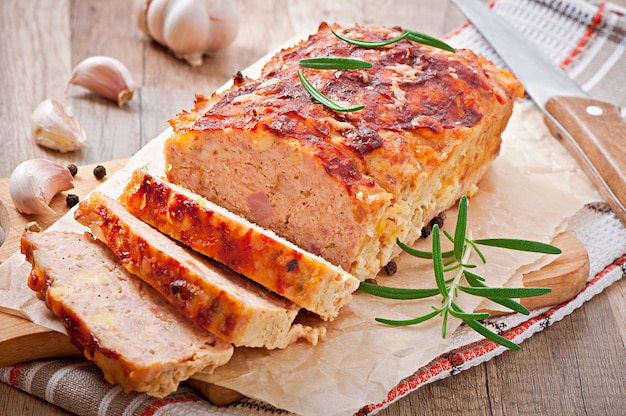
440	92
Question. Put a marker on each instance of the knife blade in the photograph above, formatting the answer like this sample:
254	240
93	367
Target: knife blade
592	130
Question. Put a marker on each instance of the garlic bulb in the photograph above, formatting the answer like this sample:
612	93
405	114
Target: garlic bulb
56	128
35	182
189	28
104	76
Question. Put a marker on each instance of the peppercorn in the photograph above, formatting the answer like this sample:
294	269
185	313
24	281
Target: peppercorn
425	232
99	172
73	169
391	268
371	281
71	200
438	220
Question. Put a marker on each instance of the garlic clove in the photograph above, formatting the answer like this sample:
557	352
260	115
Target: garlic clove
54	127
141	18
35	182
5	223
155	12
224	24
104	76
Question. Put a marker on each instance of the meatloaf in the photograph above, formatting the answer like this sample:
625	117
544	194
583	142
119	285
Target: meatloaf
347	185
125	326
211	295
308	280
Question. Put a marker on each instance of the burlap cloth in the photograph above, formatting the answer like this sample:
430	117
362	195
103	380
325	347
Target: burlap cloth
588	41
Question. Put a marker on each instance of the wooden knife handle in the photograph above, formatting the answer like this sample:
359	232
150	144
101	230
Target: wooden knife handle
595	133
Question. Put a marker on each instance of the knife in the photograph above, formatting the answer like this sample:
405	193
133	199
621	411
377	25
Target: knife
592	130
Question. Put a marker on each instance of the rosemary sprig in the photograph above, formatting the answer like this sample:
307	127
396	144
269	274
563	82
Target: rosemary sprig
474	285
425	39
370	44
412	35
333	62
322	99
339	63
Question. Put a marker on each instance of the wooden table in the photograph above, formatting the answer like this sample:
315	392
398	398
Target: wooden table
576	367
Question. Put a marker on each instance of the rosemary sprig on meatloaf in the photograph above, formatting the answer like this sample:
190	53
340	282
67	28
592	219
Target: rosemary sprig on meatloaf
340	63
334	62
412	35
322	99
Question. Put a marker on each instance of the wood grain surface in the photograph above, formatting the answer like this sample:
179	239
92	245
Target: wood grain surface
575	367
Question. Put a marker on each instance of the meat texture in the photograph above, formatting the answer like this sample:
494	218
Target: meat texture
211	295
118	321
346	185
308	280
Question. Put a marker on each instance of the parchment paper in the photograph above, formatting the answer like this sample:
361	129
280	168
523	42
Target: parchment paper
530	190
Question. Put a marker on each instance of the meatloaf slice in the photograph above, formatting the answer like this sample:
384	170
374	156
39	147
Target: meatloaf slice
211	295
346	185
304	278
118	321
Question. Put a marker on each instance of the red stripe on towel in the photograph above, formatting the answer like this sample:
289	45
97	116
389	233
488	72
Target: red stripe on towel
14	375
191	397
585	39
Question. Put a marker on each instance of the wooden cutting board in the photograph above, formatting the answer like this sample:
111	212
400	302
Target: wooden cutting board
22	340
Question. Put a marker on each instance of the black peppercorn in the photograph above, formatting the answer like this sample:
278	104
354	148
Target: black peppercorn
73	169
371	281
99	172
438	220
391	268
71	200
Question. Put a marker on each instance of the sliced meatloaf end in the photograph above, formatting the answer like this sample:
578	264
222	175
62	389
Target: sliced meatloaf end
347	185
210	294
118	321
259	254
